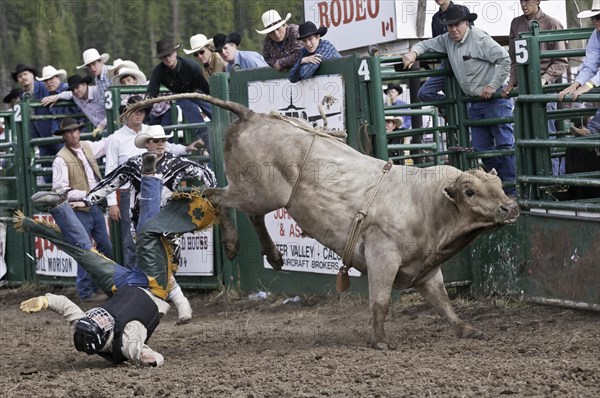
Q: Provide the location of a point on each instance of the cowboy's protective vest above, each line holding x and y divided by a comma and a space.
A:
128, 304
77, 177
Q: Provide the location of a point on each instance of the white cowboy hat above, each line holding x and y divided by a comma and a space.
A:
396, 119
149, 133
272, 20
118, 64
138, 74
197, 42
590, 13
50, 71
90, 55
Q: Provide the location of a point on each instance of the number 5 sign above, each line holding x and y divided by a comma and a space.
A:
521, 51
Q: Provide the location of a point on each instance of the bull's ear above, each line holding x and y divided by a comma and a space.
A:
451, 193
493, 172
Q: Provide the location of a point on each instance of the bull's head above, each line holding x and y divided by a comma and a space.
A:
479, 196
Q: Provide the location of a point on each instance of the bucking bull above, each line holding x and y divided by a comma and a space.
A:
416, 219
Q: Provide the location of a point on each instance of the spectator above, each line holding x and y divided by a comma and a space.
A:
589, 74
54, 81
97, 68
31, 88
88, 98
280, 48
551, 68
314, 51
227, 47
13, 97
480, 65
75, 168
430, 90
393, 92
203, 48
181, 75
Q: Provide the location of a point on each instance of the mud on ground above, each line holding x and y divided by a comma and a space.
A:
236, 347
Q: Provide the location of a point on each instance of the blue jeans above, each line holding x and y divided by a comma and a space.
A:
500, 136
189, 108
163, 120
94, 223
150, 192
126, 236
594, 124
558, 164
429, 91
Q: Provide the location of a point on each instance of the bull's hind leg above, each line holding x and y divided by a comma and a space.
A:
229, 234
267, 245
434, 292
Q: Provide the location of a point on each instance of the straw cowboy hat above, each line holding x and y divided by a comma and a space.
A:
22, 68
309, 29
396, 119
220, 40
150, 133
197, 42
76, 80
456, 14
50, 71
165, 47
272, 20
138, 74
67, 125
590, 13
90, 55
120, 63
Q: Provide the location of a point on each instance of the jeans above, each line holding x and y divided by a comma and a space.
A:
163, 120
594, 124
189, 108
126, 234
500, 136
94, 223
558, 164
150, 192
429, 91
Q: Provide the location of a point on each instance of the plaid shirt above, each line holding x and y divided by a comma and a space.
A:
286, 52
102, 81
302, 71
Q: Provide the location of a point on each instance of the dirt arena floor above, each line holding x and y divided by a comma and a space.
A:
235, 347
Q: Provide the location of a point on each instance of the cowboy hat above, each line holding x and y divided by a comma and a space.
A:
272, 20
22, 68
393, 86
396, 119
309, 29
138, 74
14, 93
90, 55
590, 13
197, 42
456, 14
220, 40
50, 71
118, 64
165, 47
132, 100
68, 124
76, 80
150, 133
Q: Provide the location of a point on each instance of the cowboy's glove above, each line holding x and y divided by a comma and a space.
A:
35, 304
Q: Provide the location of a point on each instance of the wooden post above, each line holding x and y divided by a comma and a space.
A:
421, 14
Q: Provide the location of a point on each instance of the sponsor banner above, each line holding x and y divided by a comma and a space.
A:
301, 99
197, 253
299, 253
3, 269
49, 259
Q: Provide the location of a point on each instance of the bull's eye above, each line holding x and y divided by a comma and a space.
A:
469, 193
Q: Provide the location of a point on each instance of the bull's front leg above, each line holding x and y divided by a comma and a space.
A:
267, 245
434, 292
229, 236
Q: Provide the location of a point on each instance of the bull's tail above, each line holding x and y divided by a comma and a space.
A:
240, 110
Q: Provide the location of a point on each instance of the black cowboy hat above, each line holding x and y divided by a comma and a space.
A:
76, 80
394, 86
14, 93
68, 124
132, 100
309, 29
219, 40
165, 47
456, 14
21, 68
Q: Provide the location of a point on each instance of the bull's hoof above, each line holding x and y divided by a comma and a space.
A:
383, 346
469, 332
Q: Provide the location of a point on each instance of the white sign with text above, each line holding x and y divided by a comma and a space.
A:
197, 253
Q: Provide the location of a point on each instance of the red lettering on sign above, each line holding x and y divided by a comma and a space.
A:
323, 15
335, 13
360, 11
373, 8
348, 13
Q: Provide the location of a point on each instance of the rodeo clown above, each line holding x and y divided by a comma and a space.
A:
119, 328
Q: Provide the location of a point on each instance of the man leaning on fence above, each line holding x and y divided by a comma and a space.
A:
480, 66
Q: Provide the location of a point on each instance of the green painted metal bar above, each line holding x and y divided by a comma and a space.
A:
559, 143
566, 205
584, 182
377, 109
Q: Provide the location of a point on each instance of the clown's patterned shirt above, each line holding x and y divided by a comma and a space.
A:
169, 168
